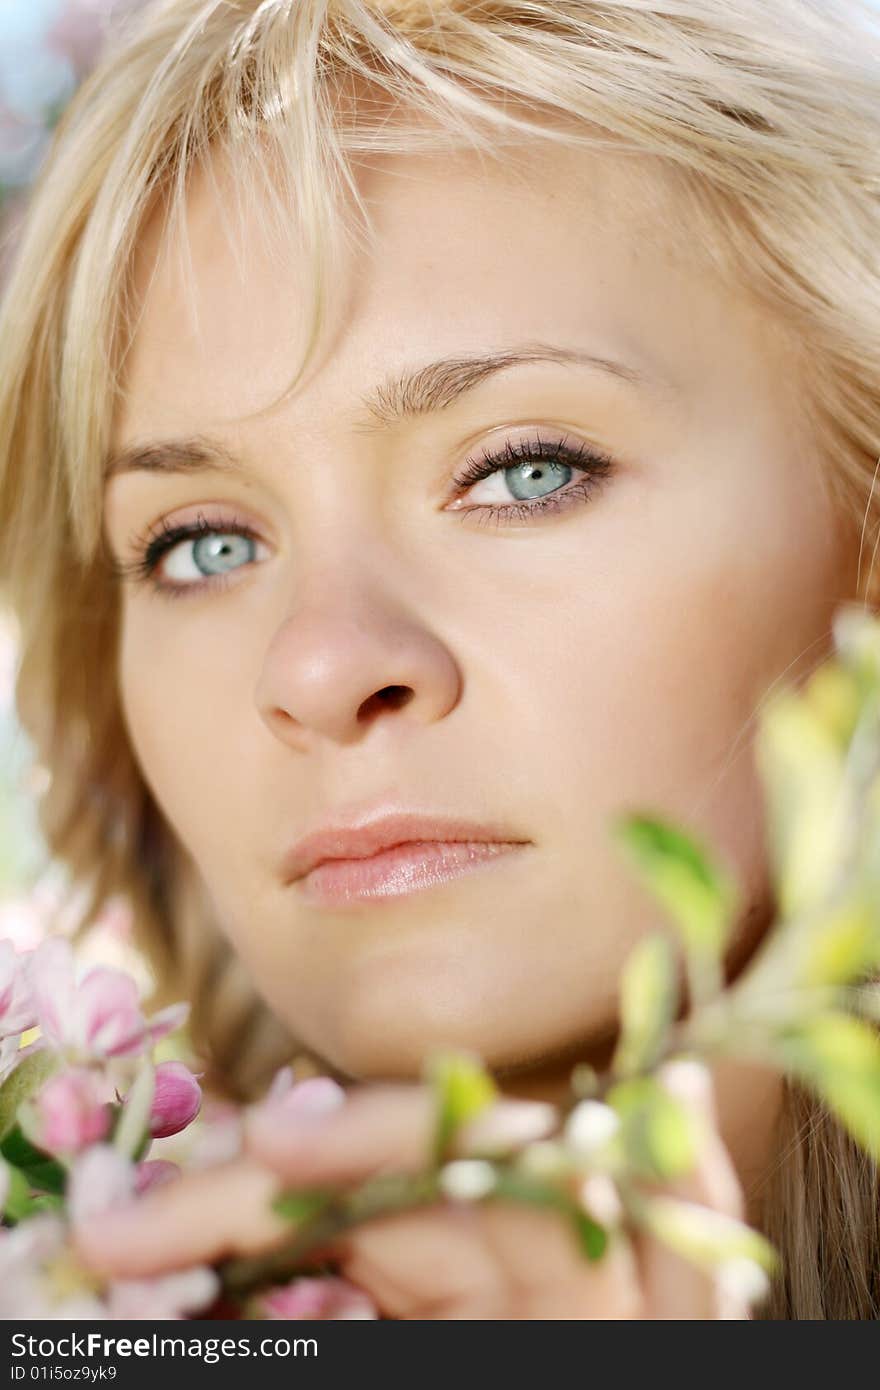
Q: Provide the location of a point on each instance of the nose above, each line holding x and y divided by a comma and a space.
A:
348, 657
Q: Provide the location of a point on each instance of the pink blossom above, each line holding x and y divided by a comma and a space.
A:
177, 1098
327, 1298
68, 1113
40, 1277
17, 1007
154, 1172
94, 1018
168, 1296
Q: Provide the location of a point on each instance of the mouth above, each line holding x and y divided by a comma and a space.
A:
358, 860
404, 868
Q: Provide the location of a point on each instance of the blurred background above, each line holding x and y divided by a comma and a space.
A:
46, 48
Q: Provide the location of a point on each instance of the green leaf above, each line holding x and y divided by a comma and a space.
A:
704, 1236
46, 1201
839, 1056
22, 1201
648, 1004
699, 895
462, 1088
658, 1134
591, 1237
299, 1207
517, 1185
32, 1071
18, 1198
41, 1169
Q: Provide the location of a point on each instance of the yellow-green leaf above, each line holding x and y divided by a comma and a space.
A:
832, 695
842, 945
30, 1074
699, 894
808, 802
648, 1004
462, 1088
133, 1122
857, 643
704, 1236
658, 1135
839, 1056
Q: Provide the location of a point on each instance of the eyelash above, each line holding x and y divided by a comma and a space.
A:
594, 466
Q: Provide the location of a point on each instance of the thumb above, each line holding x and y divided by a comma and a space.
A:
676, 1288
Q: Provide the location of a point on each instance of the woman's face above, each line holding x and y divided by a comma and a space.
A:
553, 666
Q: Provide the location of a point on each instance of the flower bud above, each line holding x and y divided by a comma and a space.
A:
329, 1297
177, 1099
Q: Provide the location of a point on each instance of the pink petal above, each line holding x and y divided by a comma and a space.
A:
50, 974
177, 1098
166, 1020
69, 1113
155, 1172
111, 1023
317, 1298
17, 1009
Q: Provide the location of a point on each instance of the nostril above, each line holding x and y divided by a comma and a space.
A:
393, 696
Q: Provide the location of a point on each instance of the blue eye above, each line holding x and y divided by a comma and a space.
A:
210, 552
536, 475
218, 549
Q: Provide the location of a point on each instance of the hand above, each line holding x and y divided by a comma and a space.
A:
490, 1260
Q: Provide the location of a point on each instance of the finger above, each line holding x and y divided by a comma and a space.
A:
675, 1288
376, 1128
197, 1219
496, 1260
309, 1138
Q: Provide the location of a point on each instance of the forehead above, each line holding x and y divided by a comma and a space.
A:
547, 242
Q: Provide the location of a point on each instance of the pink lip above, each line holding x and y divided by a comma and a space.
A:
392, 854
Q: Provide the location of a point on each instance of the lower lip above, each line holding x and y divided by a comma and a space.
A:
402, 869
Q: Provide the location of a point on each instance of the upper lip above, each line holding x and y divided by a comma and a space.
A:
359, 841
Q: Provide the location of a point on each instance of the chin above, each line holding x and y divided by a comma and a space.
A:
379, 1035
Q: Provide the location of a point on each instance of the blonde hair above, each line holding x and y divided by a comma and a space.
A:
768, 117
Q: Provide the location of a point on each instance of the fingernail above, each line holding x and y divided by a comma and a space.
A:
506, 1125
690, 1081
305, 1100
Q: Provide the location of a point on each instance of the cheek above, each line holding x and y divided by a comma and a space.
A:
179, 706
656, 680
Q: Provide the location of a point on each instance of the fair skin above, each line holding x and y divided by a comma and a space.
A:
562, 667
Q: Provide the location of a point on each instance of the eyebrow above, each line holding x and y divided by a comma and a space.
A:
404, 396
